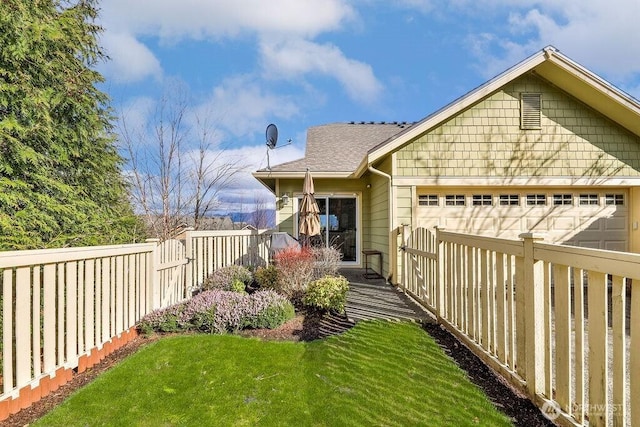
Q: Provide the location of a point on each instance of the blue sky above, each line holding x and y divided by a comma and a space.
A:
247, 63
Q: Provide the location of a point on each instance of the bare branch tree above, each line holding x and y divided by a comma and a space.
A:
177, 172
260, 215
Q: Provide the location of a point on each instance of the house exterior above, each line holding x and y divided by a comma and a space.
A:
546, 147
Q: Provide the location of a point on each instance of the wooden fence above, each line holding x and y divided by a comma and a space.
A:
64, 310
561, 323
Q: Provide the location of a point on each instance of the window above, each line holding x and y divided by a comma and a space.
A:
536, 199
614, 199
562, 199
588, 199
482, 200
428, 200
530, 111
454, 200
509, 200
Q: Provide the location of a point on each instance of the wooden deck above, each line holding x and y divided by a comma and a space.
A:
376, 299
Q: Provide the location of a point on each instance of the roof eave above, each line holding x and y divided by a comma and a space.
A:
458, 105
300, 174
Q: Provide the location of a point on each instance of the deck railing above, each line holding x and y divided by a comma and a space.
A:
561, 323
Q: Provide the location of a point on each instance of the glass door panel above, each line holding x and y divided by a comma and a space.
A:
342, 226
338, 218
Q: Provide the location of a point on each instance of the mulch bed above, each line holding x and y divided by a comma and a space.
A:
307, 327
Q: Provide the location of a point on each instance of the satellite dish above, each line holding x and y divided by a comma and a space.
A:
272, 136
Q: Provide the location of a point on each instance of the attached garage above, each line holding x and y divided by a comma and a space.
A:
581, 217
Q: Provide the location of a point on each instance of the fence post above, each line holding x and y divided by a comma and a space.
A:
440, 274
188, 248
532, 289
406, 232
153, 294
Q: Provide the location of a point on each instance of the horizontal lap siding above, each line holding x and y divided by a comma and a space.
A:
379, 238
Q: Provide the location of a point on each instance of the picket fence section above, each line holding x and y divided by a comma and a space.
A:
561, 323
64, 310
211, 250
59, 304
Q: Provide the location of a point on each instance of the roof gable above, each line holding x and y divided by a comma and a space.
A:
549, 64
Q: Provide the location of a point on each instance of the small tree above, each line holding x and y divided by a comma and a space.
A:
174, 184
260, 215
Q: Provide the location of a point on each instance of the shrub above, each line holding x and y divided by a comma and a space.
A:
169, 319
269, 309
326, 261
223, 278
328, 293
217, 311
238, 286
267, 277
295, 272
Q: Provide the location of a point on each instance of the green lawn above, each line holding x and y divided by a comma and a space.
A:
378, 373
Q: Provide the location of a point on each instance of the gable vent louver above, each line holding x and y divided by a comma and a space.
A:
530, 111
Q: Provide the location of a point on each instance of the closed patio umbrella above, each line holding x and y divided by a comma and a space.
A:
309, 211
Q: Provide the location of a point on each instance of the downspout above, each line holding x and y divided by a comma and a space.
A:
392, 265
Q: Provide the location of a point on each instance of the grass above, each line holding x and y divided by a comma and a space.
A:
378, 373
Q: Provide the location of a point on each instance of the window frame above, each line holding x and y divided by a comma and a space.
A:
536, 199
455, 200
428, 200
482, 200
561, 199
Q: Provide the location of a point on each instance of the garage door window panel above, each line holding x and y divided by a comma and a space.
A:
614, 199
589, 200
509, 200
562, 199
482, 200
536, 199
454, 200
428, 200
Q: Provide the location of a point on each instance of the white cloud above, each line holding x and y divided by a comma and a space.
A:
244, 190
171, 22
199, 19
294, 58
242, 106
130, 60
595, 33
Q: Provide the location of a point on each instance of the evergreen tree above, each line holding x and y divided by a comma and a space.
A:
60, 178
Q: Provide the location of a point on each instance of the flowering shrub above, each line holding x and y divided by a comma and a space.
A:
225, 277
218, 311
169, 319
328, 293
295, 268
268, 309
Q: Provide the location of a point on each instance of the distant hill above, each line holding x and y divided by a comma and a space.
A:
269, 216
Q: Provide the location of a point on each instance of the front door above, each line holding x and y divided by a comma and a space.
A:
338, 225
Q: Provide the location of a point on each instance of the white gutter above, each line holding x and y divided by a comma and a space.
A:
392, 268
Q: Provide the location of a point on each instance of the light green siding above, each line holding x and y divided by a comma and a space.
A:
486, 140
379, 213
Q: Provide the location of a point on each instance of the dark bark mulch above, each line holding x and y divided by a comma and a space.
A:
507, 399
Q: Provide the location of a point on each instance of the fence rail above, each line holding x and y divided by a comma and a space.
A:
561, 323
63, 310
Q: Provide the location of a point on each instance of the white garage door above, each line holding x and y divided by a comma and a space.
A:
595, 219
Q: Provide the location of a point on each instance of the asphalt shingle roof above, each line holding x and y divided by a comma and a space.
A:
340, 147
